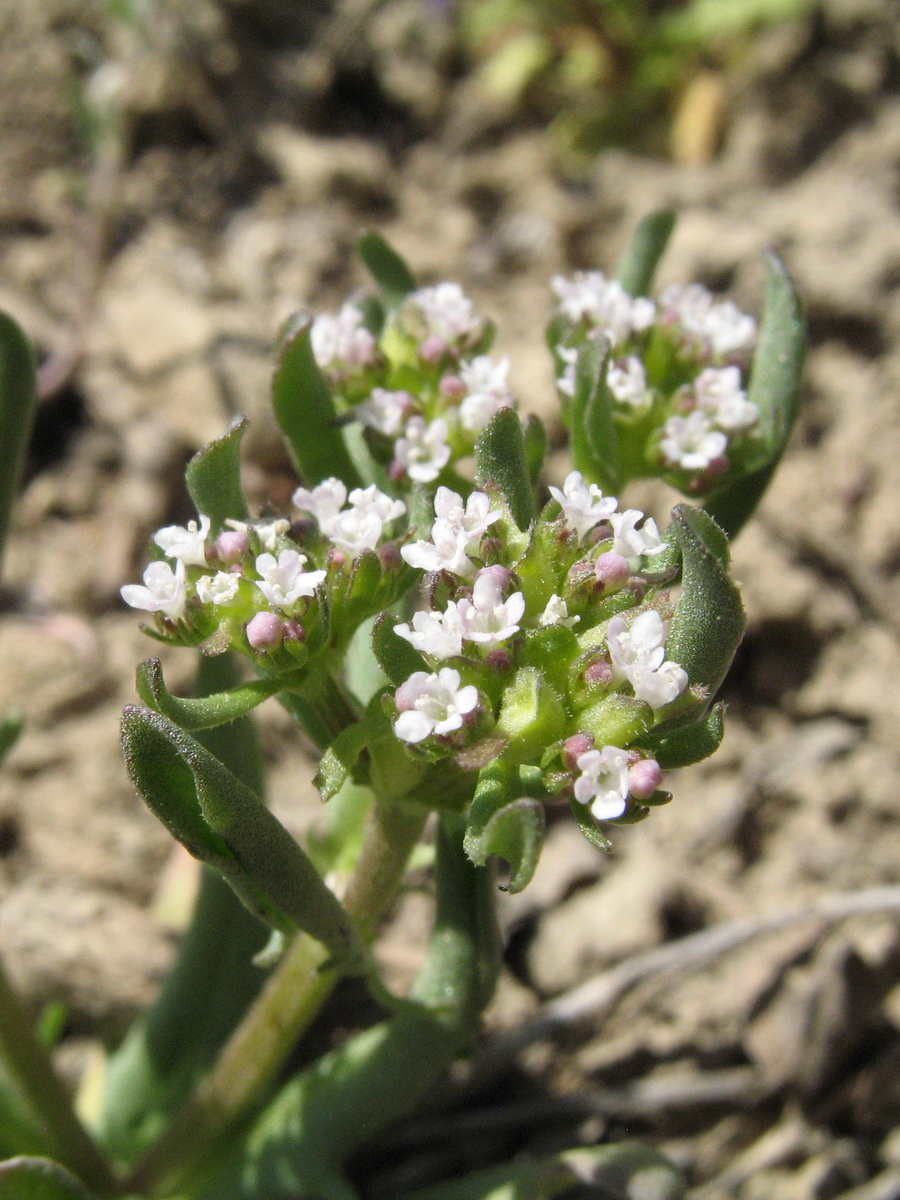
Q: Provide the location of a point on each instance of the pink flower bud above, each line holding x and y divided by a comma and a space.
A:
231, 546
294, 631
612, 571
499, 660
500, 573
452, 387
396, 471
717, 466
598, 673
390, 557
644, 778
576, 745
432, 349
265, 631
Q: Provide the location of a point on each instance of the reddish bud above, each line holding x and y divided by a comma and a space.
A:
612, 571
574, 747
598, 673
644, 778
432, 349
265, 631
231, 546
452, 387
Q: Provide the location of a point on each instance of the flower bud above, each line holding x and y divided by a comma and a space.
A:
231, 546
265, 631
499, 660
294, 631
578, 743
390, 557
598, 673
432, 349
644, 777
452, 387
492, 550
502, 574
612, 571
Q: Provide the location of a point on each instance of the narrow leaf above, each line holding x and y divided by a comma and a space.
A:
201, 712
535, 436
689, 744
500, 459
388, 269
709, 618
396, 657
647, 246
515, 833
305, 409
589, 827
26, 1178
18, 397
11, 725
595, 441
338, 761
213, 477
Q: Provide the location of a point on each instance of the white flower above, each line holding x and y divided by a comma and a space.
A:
423, 451
164, 590
185, 544
627, 381
472, 520
268, 532
370, 501
220, 588
583, 506
437, 634
487, 618
720, 327
284, 582
557, 613
631, 542
719, 393
691, 442
443, 311
385, 411
325, 500
342, 340
487, 391
638, 653
603, 782
455, 535
603, 302
432, 704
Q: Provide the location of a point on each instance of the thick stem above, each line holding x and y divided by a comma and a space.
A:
29, 1065
284, 1009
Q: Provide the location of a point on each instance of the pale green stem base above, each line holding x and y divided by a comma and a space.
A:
281, 1013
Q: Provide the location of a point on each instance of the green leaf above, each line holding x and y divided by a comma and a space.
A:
514, 832
201, 712
338, 761
224, 823
589, 827
11, 726
688, 744
647, 246
397, 658
595, 440
38, 1179
709, 617
305, 410
213, 477
388, 269
535, 436
775, 389
18, 399
500, 459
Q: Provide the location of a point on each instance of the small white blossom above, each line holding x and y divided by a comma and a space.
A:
220, 588
342, 341
719, 326
185, 544
631, 542
385, 411
487, 618
324, 501
691, 442
437, 634
638, 653
423, 451
283, 581
604, 303
487, 391
443, 311
360, 527
372, 502
164, 590
557, 613
432, 704
583, 506
719, 393
455, 535
603, 782
627, 381
268, 532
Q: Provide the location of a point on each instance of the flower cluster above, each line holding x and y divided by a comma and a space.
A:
674, 374
535, 644
422, 384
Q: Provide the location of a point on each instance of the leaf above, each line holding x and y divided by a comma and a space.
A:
26, 1178
396, 656
338, 761
388, 269
688, 744
305, 410
213, 477
500, 459
224, 823
589, 827
647, 246
534, 434
595, 441
201, 712
18, 399
709, 617
11, 725
514, 832
774, 389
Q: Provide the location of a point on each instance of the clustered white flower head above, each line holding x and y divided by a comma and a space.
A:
433, 704
604, 304
638, 655
716, 326
356, 528
342, 344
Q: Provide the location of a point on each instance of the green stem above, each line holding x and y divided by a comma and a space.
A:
284, 1009
29, 1066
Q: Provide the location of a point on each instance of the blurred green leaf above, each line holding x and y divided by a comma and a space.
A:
500, 459
388, 269
647, 246
304, 409
213, 477
11, 725
595, 440
38, 1179
534, 433
18, 399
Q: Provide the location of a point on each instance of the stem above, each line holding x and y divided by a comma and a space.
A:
29, 1065
282, 1012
